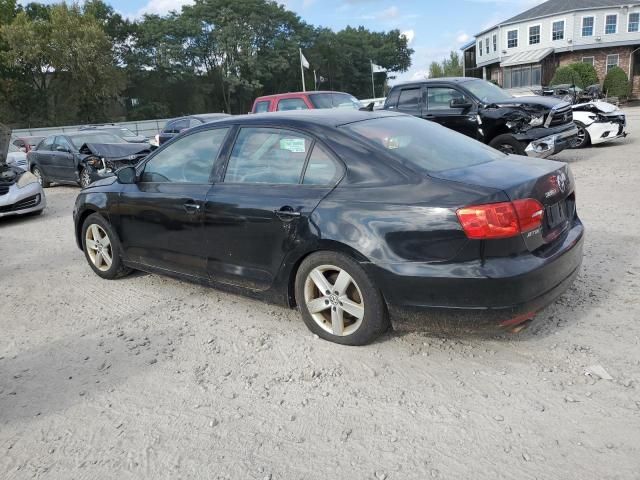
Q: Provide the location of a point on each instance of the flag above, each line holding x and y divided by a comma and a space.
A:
377, 68
303, 61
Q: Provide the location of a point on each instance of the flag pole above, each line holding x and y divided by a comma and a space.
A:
304, 88
373, 85
315, 81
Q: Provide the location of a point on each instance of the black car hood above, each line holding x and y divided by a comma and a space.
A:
115, 150
532, 101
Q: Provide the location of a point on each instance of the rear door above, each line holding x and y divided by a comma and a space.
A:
43, 155
159, 219
274, 179
441, 108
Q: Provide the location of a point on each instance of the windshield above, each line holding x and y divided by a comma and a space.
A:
487, 92
334, 100
425, 145
102, 137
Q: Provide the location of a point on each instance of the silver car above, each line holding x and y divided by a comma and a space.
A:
20, 192
17, 157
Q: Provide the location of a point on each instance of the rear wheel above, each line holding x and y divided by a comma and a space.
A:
507, 144
40, 176
338, 300
583, 139
102, 248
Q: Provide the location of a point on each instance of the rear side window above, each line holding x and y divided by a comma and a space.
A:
410, 98
321, 168
267, 155
291, 104
262, 107
392, 98
426, 146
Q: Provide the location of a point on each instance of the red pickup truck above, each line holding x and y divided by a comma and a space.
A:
304, 101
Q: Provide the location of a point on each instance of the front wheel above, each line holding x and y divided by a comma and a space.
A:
583, 139
85, 177
338, 300
507, 144
40, 176
101, 248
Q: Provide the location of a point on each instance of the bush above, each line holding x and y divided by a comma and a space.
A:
579, 74
616, 83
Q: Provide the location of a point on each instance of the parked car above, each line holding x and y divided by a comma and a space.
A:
534, 126
122, 132
17, 157
26, 144
178, 125
572, 93
349, 215
598, 122
305, 101
82, 157
20, 192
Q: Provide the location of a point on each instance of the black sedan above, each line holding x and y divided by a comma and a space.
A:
358, 218
82, 157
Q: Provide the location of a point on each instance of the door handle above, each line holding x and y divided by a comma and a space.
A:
191, 207
287, 213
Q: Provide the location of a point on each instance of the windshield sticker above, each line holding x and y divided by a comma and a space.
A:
295, 145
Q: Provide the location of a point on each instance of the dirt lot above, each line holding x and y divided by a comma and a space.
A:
148, 377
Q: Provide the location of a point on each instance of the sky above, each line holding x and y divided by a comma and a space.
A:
434, 27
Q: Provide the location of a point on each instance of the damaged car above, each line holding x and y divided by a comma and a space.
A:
598, 122
533, 126
83, 157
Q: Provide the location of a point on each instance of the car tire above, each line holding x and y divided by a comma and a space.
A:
507, 144
40, 176
85, 177
102, 248
583, 139
353, 312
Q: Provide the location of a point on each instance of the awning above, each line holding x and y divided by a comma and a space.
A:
522, 58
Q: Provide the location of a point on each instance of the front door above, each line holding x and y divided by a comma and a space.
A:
159, 218
273, 181
63, 161
441, 109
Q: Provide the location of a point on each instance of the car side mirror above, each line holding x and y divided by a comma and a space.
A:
127, 175
460, 103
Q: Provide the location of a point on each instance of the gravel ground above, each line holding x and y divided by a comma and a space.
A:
148, 377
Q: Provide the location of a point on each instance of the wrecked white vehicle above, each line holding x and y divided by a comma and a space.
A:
598, 122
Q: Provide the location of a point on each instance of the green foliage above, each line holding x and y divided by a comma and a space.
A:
616, 83
449, 67
579, 74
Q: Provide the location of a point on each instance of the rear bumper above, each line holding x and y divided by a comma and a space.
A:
552, 144
494, 292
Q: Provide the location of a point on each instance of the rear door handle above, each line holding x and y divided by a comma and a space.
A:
191, 207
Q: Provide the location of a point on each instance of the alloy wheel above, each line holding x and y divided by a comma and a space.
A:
85, 179
99, 247
582, 135
334, 300
38, 175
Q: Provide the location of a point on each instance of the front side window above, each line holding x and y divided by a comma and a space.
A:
534, 35
62, 143
187, 160
611, 24
262, 107
612, 61
634, 22
589, 60
267, 155
512, 38
291, 104
480, 47
587, 26
410, 98
440, 98
557, 30
321, 169
495, 43
47, 144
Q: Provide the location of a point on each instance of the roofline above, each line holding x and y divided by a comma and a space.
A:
564, 12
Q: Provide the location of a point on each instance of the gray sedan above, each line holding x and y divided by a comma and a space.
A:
20, 192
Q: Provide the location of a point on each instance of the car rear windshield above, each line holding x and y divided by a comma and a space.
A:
334, 100
422, 144
80, 140
487, 92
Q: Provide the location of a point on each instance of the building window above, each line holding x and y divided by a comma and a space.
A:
612, 61
611, 24
557, 30
587, 26
480, 47
495, 43
486, 41
512, 38
523, 76
589, 60
534, 35
634, 22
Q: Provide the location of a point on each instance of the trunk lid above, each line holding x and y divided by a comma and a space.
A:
550, 183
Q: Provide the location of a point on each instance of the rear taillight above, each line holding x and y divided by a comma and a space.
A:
501, 220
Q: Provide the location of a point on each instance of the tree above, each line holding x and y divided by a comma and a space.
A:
436, 70
616, 83
579, 74
449, 67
